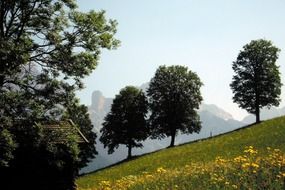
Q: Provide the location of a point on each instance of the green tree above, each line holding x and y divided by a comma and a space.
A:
126, 124
46, 48
79, 115
174, 97
256, 82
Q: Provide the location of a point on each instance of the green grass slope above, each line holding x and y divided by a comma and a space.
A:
269, 133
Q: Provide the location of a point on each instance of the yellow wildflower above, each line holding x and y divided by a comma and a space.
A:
234, 186
161, 170
254, 165
245, 165
250, 150
276, 150
105, 183
240, 159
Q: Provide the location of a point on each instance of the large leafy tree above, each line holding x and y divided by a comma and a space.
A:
126, 124
174, 97
46, 48
256, 82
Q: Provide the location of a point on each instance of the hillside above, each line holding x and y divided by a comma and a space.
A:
214, 121
270, 133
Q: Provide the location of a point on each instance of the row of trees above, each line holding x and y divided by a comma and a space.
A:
173, 98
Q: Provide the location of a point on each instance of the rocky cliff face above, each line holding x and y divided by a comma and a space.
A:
99, 108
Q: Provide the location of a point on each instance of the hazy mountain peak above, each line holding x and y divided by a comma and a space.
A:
215, 110
98, 100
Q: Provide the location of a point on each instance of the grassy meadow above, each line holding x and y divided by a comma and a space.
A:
252, 157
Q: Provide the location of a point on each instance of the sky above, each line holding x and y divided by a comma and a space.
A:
204, 35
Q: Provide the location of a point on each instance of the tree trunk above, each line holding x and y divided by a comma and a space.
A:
1, 81
257, 114
257, 109
129, 151
173, 134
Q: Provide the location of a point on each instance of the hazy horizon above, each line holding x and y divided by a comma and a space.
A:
205, 36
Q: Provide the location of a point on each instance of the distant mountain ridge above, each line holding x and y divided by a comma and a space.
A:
214, 121
212, 108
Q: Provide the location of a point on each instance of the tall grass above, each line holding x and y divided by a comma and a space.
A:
270, 133
246, 171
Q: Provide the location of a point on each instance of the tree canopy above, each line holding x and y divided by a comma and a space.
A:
46, 48
126, 124
174, 97
256, 82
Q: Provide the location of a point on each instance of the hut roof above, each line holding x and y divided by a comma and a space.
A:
65, 129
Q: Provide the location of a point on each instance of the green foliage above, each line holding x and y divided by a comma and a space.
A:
257, 82
79, 115
7, 146
54, 36
61, 146
126, 123
46, 48
174, 95
265, 134
45, 41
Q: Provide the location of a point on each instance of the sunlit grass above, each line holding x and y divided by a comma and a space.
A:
204, 154
246, 171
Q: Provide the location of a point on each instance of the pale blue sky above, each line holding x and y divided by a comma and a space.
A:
204, 35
